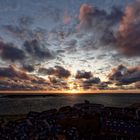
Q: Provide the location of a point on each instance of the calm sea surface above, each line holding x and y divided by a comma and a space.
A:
21, 105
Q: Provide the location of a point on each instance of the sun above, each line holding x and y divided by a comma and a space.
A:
74, 88
74, 91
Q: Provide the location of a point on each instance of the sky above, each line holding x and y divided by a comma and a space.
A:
69, 44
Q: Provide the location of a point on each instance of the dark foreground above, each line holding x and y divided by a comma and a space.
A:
84, 121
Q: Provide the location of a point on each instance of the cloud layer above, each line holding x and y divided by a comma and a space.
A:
10, 52
57, 71
71, 47
129, 31
123, 75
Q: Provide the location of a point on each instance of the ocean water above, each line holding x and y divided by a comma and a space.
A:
23, 104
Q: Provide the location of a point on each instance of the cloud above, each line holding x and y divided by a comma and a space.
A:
28, 68
108, 37
117, 73
12, 71
125, 38
45, 71
86, 16
57, 71
129, 31
60, 51
24, 31
13, 78
123, 75
62, 72
32, 51
87, 84
17, 31
115, 15
100, 23
137, 85
83, 75
39, 34
10, 52
93, 80
71, 43
91, 17
58, 83
37, 50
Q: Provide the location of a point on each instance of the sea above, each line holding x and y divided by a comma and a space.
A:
12, 105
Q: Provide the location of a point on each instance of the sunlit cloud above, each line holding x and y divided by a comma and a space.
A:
70, 46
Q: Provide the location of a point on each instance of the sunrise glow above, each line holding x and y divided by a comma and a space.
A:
80, 47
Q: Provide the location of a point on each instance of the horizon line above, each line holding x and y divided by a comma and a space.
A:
70, 92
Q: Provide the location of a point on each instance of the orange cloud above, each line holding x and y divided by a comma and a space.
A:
129, 31
86, 16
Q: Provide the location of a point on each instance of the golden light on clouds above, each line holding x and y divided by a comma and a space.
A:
74, 87
85, 41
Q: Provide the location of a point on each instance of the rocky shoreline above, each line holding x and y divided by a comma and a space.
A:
85, 121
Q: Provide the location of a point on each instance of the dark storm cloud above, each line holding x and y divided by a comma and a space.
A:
37, 49
7, 72
28, 68
57, 71
129, 31
62, 72
123, 75
101, 22
45, 71
115, 15
13, 78
126, 38
32, 52
111, 20
117, 73
93, 81
60, 51
33, 41
83, 75
58, 83
13, 72
91, 16
10, 52
108, 37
